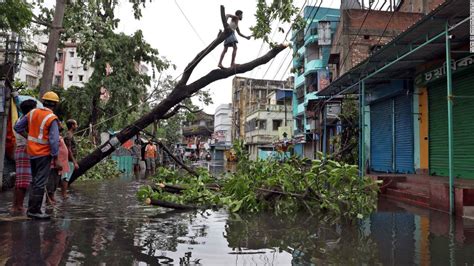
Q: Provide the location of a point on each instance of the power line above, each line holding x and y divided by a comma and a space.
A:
357, 35
189, 22
305, 32
286, 36
378, 42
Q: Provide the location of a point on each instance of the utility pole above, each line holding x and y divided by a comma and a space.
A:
7, 71
51, 49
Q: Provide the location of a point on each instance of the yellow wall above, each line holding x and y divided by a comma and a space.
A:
423, 120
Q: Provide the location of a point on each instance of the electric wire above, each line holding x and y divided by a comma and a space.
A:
286, 36
357, 35
305, 32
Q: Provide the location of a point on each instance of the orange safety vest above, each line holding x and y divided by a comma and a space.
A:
39, 121
150, 151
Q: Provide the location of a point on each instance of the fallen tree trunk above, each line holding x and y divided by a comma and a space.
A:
178, 161
170, 205
181, 91
177, 189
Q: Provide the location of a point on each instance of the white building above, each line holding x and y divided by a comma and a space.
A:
265, 121
223, 124
31, 66
70, 71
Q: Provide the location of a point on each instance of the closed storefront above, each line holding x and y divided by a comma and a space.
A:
404, 136
463, 126
381, 140
391, 135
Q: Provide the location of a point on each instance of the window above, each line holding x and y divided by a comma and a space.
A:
81, 77
85, 67
57, 80
277, 124
262, 124
69, 77
60, 57
71, 53
31, 81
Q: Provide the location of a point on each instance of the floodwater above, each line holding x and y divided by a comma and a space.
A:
103, 223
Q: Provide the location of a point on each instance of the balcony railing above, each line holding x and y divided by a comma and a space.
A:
260, 136
313, 66
269, 108
299, 80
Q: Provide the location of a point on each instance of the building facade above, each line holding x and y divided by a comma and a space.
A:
312, 47
69, 69
247, 93
223, 124
417, 112
31, 67
265, 122
197, 132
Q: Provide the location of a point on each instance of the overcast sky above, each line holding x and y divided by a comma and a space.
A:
166, 28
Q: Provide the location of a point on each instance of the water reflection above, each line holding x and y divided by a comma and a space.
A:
103, 223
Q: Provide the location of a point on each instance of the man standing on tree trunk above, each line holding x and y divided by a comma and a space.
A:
231, 41
40, 127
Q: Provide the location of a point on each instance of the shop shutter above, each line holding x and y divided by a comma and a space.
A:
381, 144
404, 135
463, 115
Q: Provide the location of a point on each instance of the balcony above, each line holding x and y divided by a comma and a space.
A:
300, 108
301, 51
310, 96
313, 66
299, 80
298, 61
310, 39
260, 136
269, 108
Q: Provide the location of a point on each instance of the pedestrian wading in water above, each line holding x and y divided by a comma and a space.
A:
231, 41
23, 167
41, 128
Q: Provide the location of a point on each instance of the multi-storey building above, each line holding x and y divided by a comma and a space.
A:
265, 122
31, 66
223, 124
312, 47
69, 70
250, 98
246, 93
198, 131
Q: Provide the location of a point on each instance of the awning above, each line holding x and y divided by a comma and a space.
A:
430, 26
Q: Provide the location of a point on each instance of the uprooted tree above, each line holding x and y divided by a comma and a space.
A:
171, 104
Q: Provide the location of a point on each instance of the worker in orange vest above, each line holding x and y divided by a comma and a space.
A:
40, 127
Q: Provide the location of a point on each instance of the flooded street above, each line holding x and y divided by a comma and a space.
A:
102, 222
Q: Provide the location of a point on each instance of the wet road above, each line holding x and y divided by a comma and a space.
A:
102, 222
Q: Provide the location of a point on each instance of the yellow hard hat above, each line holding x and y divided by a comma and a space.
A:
51, 96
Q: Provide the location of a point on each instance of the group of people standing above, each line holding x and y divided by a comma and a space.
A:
44, 159
150, 155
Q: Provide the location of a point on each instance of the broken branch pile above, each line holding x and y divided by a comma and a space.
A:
282, 187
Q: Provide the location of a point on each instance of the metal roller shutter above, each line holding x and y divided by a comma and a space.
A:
463, 115
404, 135
381, 143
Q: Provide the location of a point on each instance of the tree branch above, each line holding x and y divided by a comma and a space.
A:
177, 108
220, 38
37, 20
179, 93
217, 74
185, 167
30, 51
